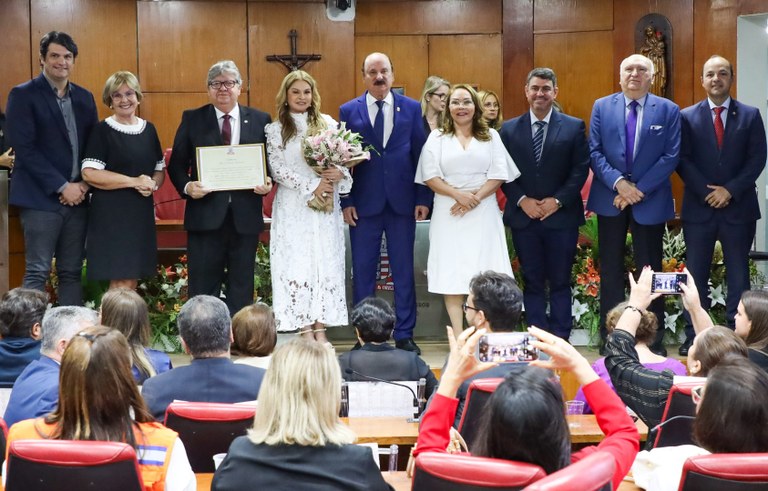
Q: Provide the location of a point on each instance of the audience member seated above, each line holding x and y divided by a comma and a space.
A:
494, 303
731, 417
21, 312
36, 391
645, 335
524, 419
99, 400
752, 325
255, 335
374, 321
645, 391
297, 440
123, 309
206, 334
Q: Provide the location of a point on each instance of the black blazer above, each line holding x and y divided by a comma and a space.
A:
297, 467
199, 128
560, 174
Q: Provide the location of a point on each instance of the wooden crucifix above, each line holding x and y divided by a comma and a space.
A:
293, 61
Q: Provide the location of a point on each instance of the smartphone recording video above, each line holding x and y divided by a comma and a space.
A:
507, 347
668, 283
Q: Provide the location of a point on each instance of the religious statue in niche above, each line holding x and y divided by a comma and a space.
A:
653, 35
656, 49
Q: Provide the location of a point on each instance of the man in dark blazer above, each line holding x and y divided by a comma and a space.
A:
206, 334
384, 197
631, 189
722, 154
222, 226
49, 120
544, 207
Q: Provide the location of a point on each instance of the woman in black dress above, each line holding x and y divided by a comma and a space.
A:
124, 165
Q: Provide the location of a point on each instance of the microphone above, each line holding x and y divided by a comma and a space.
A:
416, 401
673, 418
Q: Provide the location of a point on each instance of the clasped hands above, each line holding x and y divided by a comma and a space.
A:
628, 194
719, 197
73, 193
145, 185
328, 178
539, 209
466, 201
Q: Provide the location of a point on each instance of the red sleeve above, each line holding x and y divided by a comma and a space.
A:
621, 437
435, 430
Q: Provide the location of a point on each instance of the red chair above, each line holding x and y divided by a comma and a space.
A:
3, 439
592, 473
727, 472
42, 465
459, 472
479, 392
208, 428
678, 431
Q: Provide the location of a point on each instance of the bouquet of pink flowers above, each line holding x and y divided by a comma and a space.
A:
333, 147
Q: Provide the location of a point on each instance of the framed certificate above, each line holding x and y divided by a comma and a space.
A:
231, 167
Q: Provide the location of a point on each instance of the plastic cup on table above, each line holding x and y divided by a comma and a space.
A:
573, 408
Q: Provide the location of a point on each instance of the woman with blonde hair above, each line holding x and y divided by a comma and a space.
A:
433, 99
491, 108
98, 400
306, 246
464, 164
123, 309
297, 440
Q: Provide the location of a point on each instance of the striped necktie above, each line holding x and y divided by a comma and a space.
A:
538, 140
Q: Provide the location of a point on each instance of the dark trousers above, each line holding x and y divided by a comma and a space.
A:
223, 257
647, 249
546, 258
59, 234
365, 240
736, 240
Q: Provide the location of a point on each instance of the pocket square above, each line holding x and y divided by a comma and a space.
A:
656, 127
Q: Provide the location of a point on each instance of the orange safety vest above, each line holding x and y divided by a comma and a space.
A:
154, 443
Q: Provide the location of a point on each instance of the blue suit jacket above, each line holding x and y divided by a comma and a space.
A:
388, 176
38, 134
560, 174
736, 167
656, 157
203, 380
35, 393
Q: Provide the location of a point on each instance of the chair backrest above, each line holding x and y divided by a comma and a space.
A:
460, 472
208, 428
168, 204
593, 473
3, 439
679, 403
480, 390
726, 472
38, 465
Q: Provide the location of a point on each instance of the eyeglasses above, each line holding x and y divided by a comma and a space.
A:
464, 307
696, 394
464, 103
216, 85
439, 96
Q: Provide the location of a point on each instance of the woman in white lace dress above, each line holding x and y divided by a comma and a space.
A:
306, 246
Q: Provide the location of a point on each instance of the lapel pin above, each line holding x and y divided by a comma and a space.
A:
245, 121
398, 109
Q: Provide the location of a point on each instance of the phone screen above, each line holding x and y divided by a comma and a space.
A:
507, 347
668, 283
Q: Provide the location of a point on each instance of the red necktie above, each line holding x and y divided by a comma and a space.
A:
719, 128
226, 130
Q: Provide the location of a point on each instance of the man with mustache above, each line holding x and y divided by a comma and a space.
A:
634, 142
722, 154
384, 197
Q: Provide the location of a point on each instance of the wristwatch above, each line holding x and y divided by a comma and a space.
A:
559, 204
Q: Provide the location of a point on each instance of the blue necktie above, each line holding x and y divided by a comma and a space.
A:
631, 130
378, 123
538, 139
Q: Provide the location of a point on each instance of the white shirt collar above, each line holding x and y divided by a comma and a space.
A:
726, 104
234, 113
388, 100
545, 119
640, 101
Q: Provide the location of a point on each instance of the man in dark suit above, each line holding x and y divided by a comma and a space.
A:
722, 154
206, 334
49, 120
544, 207
222, 226
634, 140
384, 197
36, 391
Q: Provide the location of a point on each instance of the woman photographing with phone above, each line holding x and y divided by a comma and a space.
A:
524, 419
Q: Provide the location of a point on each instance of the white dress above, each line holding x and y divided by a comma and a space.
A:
306, 247
462, 246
